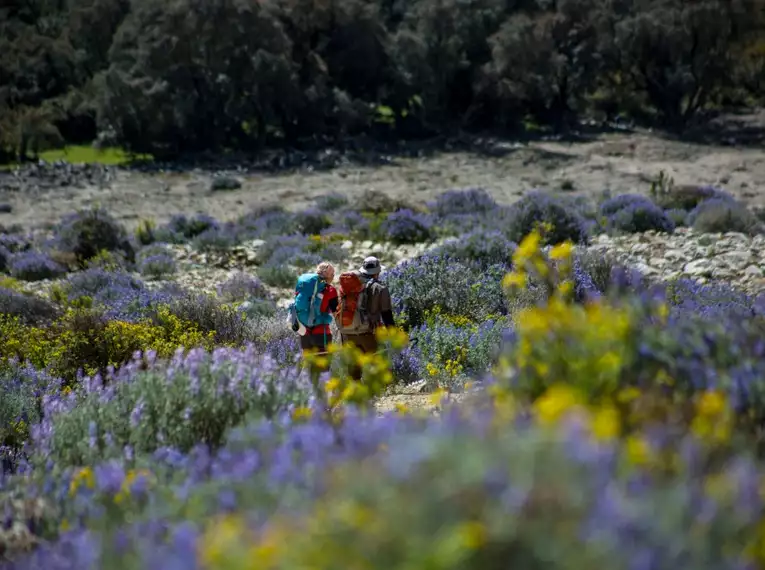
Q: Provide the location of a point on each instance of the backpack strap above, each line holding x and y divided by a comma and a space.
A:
311, 315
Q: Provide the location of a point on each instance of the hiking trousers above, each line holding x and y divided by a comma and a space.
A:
317, 342
366, 343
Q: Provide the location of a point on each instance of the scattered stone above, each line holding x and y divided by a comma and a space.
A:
6, 208
44, 176
224, 183
732, 257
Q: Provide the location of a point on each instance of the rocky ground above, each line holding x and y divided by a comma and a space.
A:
730, 257
619, 161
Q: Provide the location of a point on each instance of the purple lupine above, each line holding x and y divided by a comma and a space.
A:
407, 226
34, 266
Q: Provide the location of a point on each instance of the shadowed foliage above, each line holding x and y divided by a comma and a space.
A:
180, 77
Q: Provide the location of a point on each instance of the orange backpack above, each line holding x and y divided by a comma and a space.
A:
351, 316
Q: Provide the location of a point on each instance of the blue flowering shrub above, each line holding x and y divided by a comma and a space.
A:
634, 213
241, 287
156, 261
452, 349
191, 399
407, 226
478, 246
35, 266
469, 201
436, 282
540, 208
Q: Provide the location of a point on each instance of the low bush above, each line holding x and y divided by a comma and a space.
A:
452, 349
406, 226
224, 323
332, 202
539, 208
678, 216
217, 238
22, 388
469, 201
312, 221
84, 340
263, 223
241, 287
687, 197
119, 294
277, 275
156, 261
482, 247
86, 233
435, 282
633, 213
35, 266
719, 216
29, 308
181, 228
192, 399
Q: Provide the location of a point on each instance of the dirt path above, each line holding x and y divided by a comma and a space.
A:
620, 162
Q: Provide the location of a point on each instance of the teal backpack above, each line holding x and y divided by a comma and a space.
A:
305, 308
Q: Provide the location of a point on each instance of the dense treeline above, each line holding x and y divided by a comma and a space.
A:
180, 76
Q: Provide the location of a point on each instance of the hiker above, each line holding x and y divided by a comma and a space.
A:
364, 305
315, 303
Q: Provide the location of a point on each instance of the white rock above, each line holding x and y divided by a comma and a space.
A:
753, 271
698, 268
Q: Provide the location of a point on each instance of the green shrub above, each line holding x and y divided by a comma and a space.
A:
84, 340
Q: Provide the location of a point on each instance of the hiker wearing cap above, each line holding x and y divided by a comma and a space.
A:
365, 304
310, 314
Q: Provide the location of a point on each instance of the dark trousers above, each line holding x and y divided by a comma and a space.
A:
316, 342
366, 343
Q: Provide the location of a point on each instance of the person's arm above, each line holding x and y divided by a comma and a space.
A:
386, 308
329, 301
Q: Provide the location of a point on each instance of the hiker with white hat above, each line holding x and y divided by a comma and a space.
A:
364, 305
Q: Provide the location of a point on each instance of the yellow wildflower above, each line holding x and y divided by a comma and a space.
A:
472, 535
562, 251
566, 288
301, 412
528, 247
221, 538
83, 476
514, 279
628, 394
606, 423
711, 404
437, 396
555, 402
638, 450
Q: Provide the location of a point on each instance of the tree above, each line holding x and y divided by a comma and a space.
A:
546, 62
191, 75
679, 53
